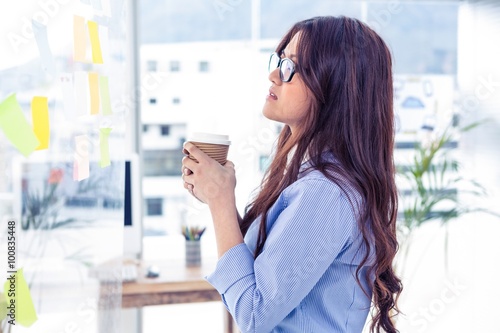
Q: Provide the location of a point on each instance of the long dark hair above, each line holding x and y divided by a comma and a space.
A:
347, 68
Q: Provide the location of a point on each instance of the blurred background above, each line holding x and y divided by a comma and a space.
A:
212, 57
201, 65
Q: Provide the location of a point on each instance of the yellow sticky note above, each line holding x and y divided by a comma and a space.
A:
105, 99
94, 93
79, 39
95, 42
104, 144
40, 116
20, 306
81, 167
16, 127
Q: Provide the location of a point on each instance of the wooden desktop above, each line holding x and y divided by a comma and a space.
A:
175, 284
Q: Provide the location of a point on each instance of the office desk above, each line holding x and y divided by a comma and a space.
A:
176, 284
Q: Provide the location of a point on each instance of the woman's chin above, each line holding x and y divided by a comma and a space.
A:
268, 114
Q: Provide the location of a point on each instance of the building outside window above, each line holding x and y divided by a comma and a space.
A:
154, 206
165, 130
175, 66
425, 39
152, 65
157, 163
264, 162
204, 66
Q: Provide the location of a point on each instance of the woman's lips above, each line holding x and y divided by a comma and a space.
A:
272, 95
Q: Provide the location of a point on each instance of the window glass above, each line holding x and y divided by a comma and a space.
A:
200, 21
223, 78
422, 37
219, 52
64, 93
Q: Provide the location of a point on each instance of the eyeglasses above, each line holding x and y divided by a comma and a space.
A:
287, 67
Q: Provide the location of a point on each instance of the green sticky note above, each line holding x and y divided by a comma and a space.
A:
104, 145
16, 127
20, 306
3, 307
104, 91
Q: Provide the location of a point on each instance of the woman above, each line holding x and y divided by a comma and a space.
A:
314, 249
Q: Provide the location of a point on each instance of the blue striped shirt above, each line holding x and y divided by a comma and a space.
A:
304, 279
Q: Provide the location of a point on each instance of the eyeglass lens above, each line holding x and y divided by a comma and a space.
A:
286, 67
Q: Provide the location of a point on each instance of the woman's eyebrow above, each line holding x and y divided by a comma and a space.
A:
290, 56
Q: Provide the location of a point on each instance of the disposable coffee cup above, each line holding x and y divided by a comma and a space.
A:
214, 145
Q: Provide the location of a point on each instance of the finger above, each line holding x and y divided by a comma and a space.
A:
189, 187
188, 177
191, 191
195, 151
229, 164
189, 164
186, 171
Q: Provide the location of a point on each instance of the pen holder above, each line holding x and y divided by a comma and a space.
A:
193, 253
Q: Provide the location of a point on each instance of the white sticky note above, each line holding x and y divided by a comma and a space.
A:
48, 63
96, 4
65, 81
81, 86
104, 38
106, 8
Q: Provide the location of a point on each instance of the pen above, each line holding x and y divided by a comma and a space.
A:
193, 233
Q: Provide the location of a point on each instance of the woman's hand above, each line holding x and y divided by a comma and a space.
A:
206, 179
214, 184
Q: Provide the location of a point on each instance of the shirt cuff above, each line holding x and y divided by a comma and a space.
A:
233, 266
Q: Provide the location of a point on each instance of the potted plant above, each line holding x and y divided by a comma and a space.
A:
434, 187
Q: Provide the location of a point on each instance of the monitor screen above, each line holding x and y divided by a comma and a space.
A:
49, 198
127, 215
132, 237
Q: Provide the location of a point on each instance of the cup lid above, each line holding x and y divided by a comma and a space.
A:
217, 139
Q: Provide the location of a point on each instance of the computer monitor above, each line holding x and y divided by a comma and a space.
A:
132, 237
108, 195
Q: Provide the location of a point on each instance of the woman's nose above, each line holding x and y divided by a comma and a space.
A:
274, 76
